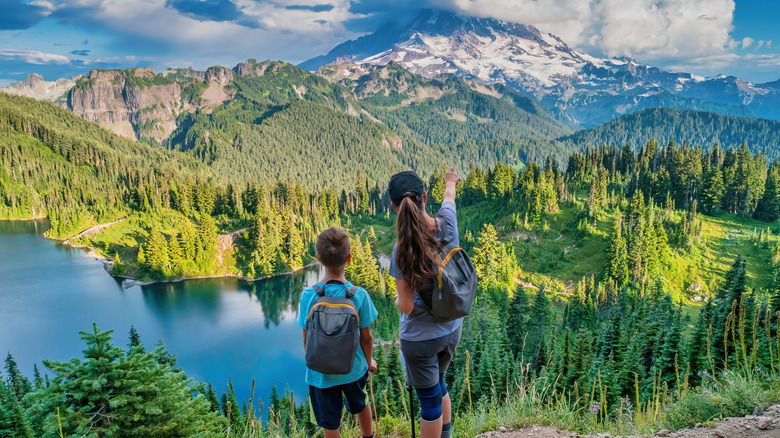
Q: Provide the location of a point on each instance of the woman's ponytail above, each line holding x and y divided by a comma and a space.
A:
417, 251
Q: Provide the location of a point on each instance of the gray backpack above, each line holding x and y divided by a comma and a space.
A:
333, 333
455, 286
450, 295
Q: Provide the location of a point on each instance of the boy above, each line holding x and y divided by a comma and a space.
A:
325, 390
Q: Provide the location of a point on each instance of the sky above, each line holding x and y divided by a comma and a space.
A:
63, 38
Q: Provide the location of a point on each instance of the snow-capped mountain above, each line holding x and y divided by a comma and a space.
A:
573, 85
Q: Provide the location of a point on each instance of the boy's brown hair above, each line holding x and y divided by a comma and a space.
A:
333, 247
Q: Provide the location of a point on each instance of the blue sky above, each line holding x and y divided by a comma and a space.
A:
62, 38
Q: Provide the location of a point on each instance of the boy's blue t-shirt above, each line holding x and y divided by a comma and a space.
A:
367, 314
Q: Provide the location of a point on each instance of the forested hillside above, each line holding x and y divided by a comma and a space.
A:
287, 123
697, 128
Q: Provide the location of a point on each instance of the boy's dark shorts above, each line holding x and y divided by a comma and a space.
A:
326, 403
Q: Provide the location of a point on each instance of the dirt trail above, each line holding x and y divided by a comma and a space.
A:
225, 244
765, 425
92, 230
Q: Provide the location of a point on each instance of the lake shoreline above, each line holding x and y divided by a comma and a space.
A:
131, 282
128, 282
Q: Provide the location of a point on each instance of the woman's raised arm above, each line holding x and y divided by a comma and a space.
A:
451, 179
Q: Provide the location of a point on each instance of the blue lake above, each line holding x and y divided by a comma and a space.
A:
217, 328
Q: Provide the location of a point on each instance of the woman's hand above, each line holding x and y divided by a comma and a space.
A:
451, 179
451, 176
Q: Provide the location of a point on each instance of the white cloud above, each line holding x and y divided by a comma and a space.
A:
646, 29
280, 33
34, 57
747, 42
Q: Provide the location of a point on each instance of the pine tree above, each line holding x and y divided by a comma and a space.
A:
188, 241
395, 374
491, 259
516, 327
540, 309
768, 208
18, 384
235, 410
669, 357
135, 338
697, 344
157, 251
728, 296
175, 252
112, 391
37, 379
211, 395
141, 257
13, 422
618, 261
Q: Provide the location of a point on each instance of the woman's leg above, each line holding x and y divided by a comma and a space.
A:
446, 409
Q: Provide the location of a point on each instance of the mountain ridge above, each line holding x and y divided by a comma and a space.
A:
541, 65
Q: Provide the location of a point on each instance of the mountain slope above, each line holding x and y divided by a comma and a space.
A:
54, 161
270, 120
569, 83
698, 128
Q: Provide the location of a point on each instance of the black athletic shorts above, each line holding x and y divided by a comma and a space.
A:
427, 360
326, 403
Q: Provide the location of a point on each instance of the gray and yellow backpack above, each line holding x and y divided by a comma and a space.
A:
333, 332
450, 295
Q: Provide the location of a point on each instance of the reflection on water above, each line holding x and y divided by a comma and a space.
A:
218, 328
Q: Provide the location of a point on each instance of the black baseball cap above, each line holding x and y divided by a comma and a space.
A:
404, 182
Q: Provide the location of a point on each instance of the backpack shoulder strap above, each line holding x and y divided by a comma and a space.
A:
351, 292
441, 225
319, 290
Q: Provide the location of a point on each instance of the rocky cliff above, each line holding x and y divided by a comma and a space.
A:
143, 105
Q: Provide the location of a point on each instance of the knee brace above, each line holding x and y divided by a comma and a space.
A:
442, 385
430, 403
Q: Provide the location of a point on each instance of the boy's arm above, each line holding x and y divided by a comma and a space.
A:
367, 344
304, 340
451, 179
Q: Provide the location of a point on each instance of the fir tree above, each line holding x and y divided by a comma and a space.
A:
135, 338
618, 261
768, 208
18, 384
110, 392
13, 422
516, 328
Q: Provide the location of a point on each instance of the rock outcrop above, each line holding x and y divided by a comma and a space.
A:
143, 105
134, 103
38, 88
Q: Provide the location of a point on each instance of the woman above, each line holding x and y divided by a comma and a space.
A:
427, 344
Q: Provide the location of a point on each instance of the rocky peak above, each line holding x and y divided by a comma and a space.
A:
35, 86
251, 68
220, 75
32, 80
